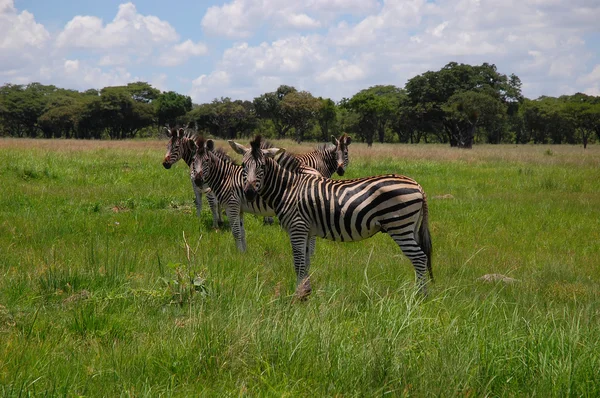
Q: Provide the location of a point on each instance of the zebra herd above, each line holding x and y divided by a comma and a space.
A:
299, 191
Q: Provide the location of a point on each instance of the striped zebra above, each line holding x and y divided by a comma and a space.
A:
326, 159
339, 210
214, 168
182, 146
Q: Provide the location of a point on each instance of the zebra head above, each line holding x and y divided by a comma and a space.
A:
253, 165
199, 164
174, 147
341, 150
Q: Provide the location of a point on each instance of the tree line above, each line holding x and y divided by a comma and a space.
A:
460, 105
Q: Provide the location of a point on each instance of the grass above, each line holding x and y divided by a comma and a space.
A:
110, 285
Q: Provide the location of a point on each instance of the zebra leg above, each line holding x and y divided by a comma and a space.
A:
299, 240
237, 226
312, 244
198, 193
242, 231
415, 254
214, 208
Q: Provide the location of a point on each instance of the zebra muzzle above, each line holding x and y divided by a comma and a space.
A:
250, 193
340, 170
166, 165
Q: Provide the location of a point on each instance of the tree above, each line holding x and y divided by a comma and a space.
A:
299, 109
22, 106
268, 106
170, 106
122, 116
585, 117
225, 118
430, 91
326, 117
468, 110
143, 92
375, 107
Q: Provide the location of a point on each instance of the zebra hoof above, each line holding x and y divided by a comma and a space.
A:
303, 290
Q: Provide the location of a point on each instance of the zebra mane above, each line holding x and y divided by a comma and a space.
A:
265, 144
189, 133
221, 154
201, 147
290, 161
327, 147
256, 145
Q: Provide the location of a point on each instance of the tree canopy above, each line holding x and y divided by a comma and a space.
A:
459, 104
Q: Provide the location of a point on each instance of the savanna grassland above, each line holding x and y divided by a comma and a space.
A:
110, 285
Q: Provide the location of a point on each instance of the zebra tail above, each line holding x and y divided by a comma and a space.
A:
425, 237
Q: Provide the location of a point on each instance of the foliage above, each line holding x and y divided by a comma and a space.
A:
268, 106
431, 92
300, 110
170, 106
459, 104
225, 118
375, 107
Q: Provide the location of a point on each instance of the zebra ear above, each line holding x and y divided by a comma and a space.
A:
210, 145
272, 152
181, 132
237, 147
347, 139
334, 140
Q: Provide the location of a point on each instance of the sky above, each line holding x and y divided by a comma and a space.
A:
332, 48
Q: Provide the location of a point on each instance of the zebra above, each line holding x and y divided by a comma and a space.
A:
214, 168
326, 159
181, 145
339, 210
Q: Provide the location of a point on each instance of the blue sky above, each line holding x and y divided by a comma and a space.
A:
332, 48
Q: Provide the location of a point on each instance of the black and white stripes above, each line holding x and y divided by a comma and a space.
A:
327, 159
339, 210
216, 170
181, 145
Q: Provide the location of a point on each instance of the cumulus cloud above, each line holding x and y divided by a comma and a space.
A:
331, 48
241, 18
181, 52
22, 39
128, 29
128, 37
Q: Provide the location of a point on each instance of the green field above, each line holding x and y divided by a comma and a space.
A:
110, 285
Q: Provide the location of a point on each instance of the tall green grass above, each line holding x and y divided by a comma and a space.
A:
110, 285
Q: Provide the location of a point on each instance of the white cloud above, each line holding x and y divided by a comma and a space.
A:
301, 21
205, 84
130, 36
590, 82
342, 71
313, 45
241, 18
128, 29
22, 39
159, 81
180, 53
